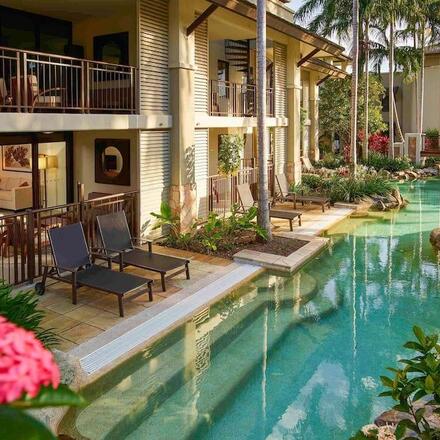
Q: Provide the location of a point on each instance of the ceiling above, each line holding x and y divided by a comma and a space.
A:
71, 10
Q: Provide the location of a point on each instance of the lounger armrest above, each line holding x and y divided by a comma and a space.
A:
139, 241
62, 269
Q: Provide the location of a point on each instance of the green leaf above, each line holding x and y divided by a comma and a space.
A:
386, 381
429, 384
17, 425
420, 335
414, 346
400, 430
49, 397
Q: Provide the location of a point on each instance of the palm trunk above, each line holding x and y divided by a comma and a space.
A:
391, 88
354, 86
417, 85
399, 128
367, 90
263, 184
421, 98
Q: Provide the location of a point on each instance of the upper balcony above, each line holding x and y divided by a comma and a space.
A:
232, 99
42, 82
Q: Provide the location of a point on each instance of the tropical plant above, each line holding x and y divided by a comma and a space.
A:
245, 221
21, 308
415, 386
335, 108
263, 148
229, 153
378, 143
330, 161
346, 188
30, 380
211, 232
379, 161
166, 219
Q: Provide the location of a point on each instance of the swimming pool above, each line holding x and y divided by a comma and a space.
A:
285, 357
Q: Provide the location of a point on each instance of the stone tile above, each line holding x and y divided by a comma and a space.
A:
81, 333
65, 345
63, 306
48, 316
87, 312
61, 323
104, 320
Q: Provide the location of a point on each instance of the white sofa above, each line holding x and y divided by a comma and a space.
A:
13, 195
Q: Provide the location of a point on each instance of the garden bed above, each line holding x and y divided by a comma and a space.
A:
246, 240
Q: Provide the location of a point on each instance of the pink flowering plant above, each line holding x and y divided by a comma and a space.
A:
29, 378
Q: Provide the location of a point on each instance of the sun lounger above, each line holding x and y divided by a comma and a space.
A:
247, 201
73, 264
119, 246
286, 195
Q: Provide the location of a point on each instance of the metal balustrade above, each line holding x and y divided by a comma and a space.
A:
41, 82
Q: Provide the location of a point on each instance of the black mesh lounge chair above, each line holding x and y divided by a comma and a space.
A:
73, 264
119, 246
286, 195
247, 201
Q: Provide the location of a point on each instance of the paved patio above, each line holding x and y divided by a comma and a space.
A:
97, 312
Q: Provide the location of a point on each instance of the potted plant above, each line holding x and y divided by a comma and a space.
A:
432, 139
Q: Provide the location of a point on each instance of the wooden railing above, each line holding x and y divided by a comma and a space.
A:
40, 82
24, 241
232, 99
223, 189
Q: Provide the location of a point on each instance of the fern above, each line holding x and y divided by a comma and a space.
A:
21, 309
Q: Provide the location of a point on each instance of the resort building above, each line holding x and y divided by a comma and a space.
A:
406, 97
131, 99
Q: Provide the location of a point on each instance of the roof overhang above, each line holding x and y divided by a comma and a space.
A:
249, 10
325, 68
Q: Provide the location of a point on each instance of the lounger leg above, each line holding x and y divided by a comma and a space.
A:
121, 306
187, 271
299, 221
74, 291
162, 279
291, 224
43, 280
150, 292
323, 207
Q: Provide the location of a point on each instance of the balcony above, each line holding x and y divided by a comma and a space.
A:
40, 82
231, 99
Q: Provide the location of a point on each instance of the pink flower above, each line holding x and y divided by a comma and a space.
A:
25, 365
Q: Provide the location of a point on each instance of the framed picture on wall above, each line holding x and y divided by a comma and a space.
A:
112, 161
17, 158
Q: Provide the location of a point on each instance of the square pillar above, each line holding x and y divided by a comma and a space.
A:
181, 64
314, 116
293, 111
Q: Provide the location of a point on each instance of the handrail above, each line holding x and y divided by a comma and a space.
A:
65, 57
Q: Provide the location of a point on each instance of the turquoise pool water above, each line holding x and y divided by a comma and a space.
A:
285, 358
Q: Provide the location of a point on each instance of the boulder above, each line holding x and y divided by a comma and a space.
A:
434, 238
72, 375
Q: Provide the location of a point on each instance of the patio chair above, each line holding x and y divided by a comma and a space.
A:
119, 245
285, 195
247, 201
73, 264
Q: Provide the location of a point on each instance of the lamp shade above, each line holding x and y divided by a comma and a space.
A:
52, 162
42, 162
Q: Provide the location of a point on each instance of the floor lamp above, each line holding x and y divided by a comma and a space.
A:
45, 163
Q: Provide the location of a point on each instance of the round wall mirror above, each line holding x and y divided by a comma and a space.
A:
112, 162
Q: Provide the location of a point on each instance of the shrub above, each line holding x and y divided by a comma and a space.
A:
378, 143
21, 309
330, 161
379, 162
432, 161
231, 145
417, 379
346, 189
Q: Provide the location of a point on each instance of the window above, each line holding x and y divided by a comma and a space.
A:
222, 77
112, 48
26, 31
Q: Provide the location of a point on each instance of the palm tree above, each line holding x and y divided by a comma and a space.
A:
367, 84
263, 150
354, 85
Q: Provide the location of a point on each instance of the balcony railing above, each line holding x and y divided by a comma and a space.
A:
232, 99
222, 190
40, 82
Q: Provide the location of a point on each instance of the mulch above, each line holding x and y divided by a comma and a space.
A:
247, 241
